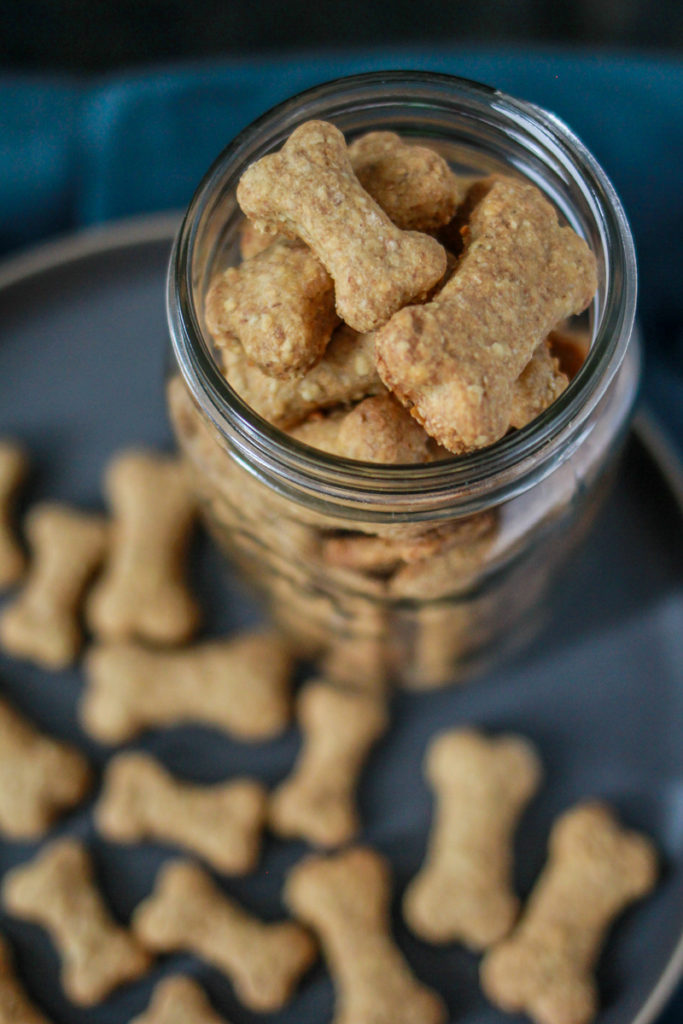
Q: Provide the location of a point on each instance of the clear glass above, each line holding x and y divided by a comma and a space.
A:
415, 574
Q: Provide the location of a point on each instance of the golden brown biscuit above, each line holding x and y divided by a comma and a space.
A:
178, 1000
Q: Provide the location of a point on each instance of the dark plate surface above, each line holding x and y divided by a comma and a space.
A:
82, 352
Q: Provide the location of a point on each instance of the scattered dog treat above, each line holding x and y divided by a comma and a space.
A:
253, 241
453, 361
316, 802
345, 899
187, 911
40, 777
345, 374
13, 470
15, 1005
142, 592
178, 1000
241, 685
279, 305
539, 384
595, 869
413, 184
223, 823
309, 190
464, 890
57, 891
42, 622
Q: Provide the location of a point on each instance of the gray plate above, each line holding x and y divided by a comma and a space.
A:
82, 350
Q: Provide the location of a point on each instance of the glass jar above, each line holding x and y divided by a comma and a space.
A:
416, 574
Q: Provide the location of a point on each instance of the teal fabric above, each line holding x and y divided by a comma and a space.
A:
79, 153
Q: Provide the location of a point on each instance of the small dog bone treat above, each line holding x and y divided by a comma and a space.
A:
253, 241
39, 777
308, 190
345, 899
413, 184
142, 592
316, 802
41, 623
378, 429
539, 384
241, 685
178, 1000
463, 891
57, 891
346, 373
454, 360
222, 823
15, 1006
13, 470
188, 912
279, 305
595, 869
449, 571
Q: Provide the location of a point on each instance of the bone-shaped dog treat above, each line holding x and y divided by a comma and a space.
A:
57, 891
539, 384
279, 305
13, 469
316, 802
42, 622
413, 184
241, 685
15, 1005
308, 190
142, 592
39, 777
463, 890
222, 823
545, 967
378, 429
346, 373
178, 1000
253, 241
187, 911
345, 899
453, 361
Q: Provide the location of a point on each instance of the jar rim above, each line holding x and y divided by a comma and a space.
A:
461, 484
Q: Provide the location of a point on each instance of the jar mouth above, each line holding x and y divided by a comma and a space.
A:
536, 141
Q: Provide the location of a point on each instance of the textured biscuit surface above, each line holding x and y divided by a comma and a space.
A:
13, 470
178, 1000
594, 870
345, 899
453, 361
57, 891
309, 190
40, 777
241, 685
187, 911
316, 801
463, 890
279, 305
42, 622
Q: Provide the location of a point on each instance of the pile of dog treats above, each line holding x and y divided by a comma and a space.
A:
124, 575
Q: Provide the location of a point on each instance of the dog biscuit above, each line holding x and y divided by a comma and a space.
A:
240, 685
223, 823
13, 470
42, 622
253, 241
308, 190
453, 361
40, 777
538, 385
279, 305
594, 870
15, 1005
463, 890
345, 899
316, 801
141, 592
57, 891
188, 912
345, 374
178, 1000
413, 184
